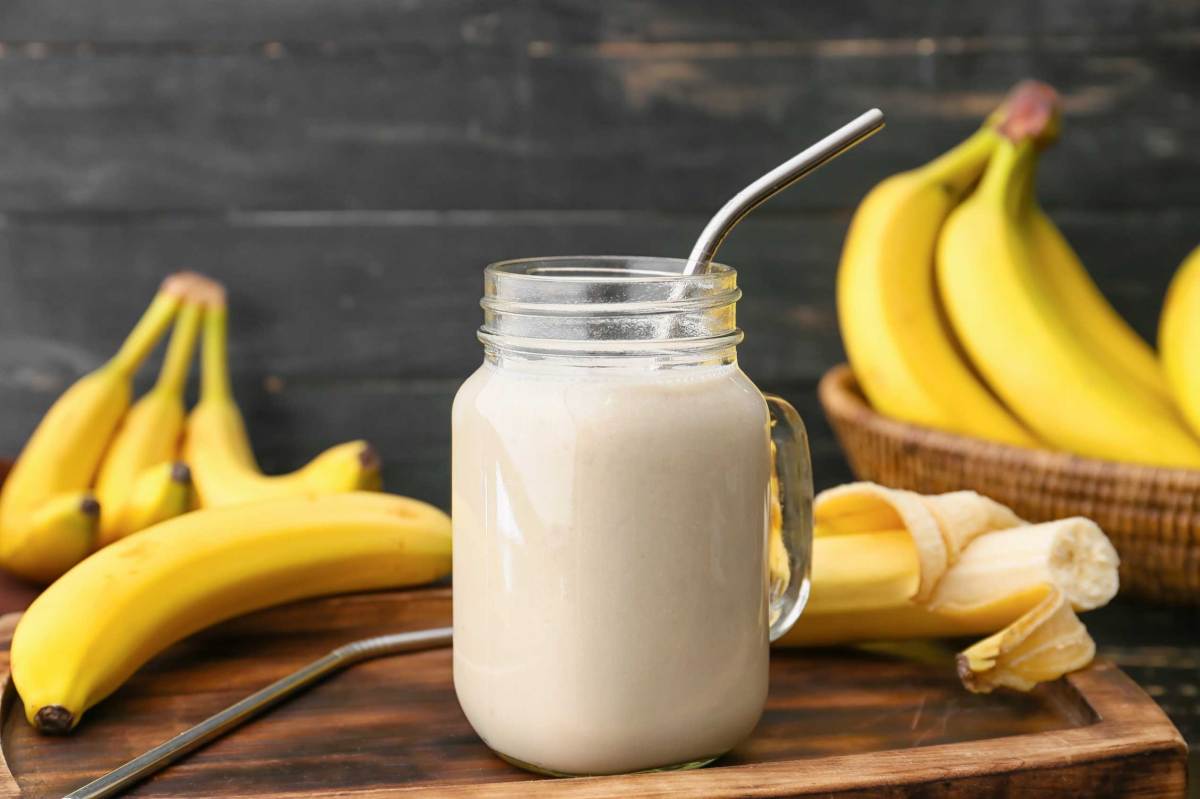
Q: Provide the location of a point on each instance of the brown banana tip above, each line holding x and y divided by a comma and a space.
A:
209, 292
179, 284
89, 506
968, 677
369, 459
180, 472
1031, 110
54, 720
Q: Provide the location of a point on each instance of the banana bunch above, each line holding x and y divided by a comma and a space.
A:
963, 307
892, 565
96, 469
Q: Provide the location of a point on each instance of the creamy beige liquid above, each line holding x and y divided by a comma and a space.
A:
610, 608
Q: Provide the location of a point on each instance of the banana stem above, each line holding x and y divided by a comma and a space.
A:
1004, 179
958, 169
215, 385
178, 360
146, 333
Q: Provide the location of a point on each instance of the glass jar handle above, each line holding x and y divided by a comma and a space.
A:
790, 541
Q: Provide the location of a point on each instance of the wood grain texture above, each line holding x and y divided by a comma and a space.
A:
629, 125
461, 21
838, 723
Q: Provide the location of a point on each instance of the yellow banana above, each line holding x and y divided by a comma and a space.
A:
1179, 338
146, 591
61, 457
159, 492
1024, 346
1084, 306
218, 450
903, 354
53, 538
148, 437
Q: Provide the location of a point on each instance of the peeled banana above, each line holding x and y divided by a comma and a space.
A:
148, 441
48, 513
878, 575
218, 450
1179, 339
1025, 347
97, 624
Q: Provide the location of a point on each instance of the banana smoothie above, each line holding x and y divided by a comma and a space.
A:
610, 600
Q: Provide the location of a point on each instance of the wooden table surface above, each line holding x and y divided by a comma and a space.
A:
838, 722
1159, 647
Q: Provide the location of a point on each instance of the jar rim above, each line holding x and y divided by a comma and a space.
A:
603, 268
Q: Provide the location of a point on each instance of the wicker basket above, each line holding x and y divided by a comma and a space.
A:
1151, 514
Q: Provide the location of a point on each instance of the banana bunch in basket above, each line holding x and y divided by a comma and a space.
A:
963, 307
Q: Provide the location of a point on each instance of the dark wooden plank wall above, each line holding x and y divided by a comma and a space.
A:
349, 166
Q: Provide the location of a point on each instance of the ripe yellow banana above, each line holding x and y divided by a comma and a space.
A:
877, 576
901, 350
218, 450
149, 590
1025, 347
1085, 308
1179, 338
148, 440
61, 457
160, 492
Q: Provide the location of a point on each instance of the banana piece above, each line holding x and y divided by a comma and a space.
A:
160, 492
146, 591
1085, 308
1021, 342
1179, 338
61, 457
218, 450
1044, 644
902, 352
149, 437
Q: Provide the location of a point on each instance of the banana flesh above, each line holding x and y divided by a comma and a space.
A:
876, 576
1179, 339
97, 624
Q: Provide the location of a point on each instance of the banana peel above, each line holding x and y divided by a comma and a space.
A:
892, 565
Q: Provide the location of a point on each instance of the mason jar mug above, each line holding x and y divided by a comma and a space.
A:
615, 480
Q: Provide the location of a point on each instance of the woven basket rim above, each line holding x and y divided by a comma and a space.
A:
842, 398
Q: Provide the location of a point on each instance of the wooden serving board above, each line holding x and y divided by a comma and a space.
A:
838, 723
